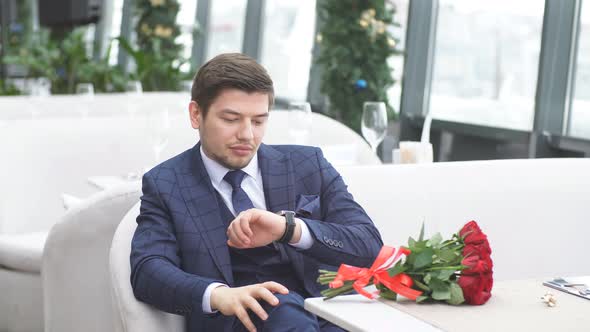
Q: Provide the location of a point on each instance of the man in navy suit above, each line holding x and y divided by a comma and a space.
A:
232, 232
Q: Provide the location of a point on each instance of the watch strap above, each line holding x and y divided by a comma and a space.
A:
290, 226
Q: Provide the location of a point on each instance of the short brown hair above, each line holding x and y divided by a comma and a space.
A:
230, 70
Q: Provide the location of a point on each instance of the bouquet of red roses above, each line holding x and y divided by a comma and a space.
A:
455, 271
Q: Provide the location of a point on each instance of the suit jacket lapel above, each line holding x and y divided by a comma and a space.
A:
202, 205
278, 178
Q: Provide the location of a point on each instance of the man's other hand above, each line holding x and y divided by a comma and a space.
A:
236, 301
255, 228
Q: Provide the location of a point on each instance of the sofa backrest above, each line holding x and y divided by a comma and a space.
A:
69, 139
534, 211
75, 262
131, 315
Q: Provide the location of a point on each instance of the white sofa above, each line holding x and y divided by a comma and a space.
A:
534, 211
51, 147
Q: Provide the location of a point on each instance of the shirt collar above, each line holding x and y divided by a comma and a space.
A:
216, 171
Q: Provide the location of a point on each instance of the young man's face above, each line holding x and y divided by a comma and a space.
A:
233, 128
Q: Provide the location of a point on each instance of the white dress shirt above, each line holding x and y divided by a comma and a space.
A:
253, 186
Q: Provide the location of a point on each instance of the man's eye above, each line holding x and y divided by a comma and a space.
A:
230, 120
258, 122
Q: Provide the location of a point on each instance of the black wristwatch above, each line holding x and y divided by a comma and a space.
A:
290, 228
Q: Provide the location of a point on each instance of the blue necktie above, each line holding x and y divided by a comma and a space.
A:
242, 202
239, 198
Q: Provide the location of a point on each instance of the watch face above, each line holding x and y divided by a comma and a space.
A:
285, 212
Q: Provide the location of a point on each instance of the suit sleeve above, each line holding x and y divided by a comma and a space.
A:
345, 234
156, 276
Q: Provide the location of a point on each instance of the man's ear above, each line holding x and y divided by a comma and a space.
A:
195, 114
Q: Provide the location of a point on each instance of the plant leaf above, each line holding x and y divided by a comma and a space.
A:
456, 294
422, 286
396, 269
424, 258
411, 243
386, 292
421, 298
435, 240
421, 236
440, 290
447, 255
445, 274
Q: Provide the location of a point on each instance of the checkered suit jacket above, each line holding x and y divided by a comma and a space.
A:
179, 247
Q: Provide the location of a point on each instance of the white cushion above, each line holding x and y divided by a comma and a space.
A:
75, 262
22, 252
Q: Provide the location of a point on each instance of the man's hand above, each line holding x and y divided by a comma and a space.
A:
256, 228
236, 301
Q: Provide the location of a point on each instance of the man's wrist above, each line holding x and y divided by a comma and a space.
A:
209, 306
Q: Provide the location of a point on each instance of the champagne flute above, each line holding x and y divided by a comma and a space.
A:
299, 121
374, 123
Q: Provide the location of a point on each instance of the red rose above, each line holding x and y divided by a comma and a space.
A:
480, 249
476, 288
472, 233
477, 264
476, 280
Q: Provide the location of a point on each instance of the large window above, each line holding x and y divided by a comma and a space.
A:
287, 44
185, 19
486, 62
226, 27
115, 30
186, 22
397, 61
580, 115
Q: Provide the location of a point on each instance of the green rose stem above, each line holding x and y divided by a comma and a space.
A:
325, 278
333, 292
457, 267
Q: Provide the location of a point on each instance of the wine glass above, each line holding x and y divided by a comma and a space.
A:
374, 123
133, 88
40, 90
134, 91
159, 127
86, 91
41, 87
299, 121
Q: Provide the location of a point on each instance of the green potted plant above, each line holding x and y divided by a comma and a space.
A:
355, 44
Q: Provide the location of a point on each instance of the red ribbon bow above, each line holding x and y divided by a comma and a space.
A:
388, 256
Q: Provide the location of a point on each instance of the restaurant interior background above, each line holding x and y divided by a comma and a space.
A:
500, 79
94, 93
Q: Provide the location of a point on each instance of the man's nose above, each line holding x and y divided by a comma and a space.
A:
245, 132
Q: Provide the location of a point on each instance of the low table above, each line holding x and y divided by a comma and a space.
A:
514, 306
